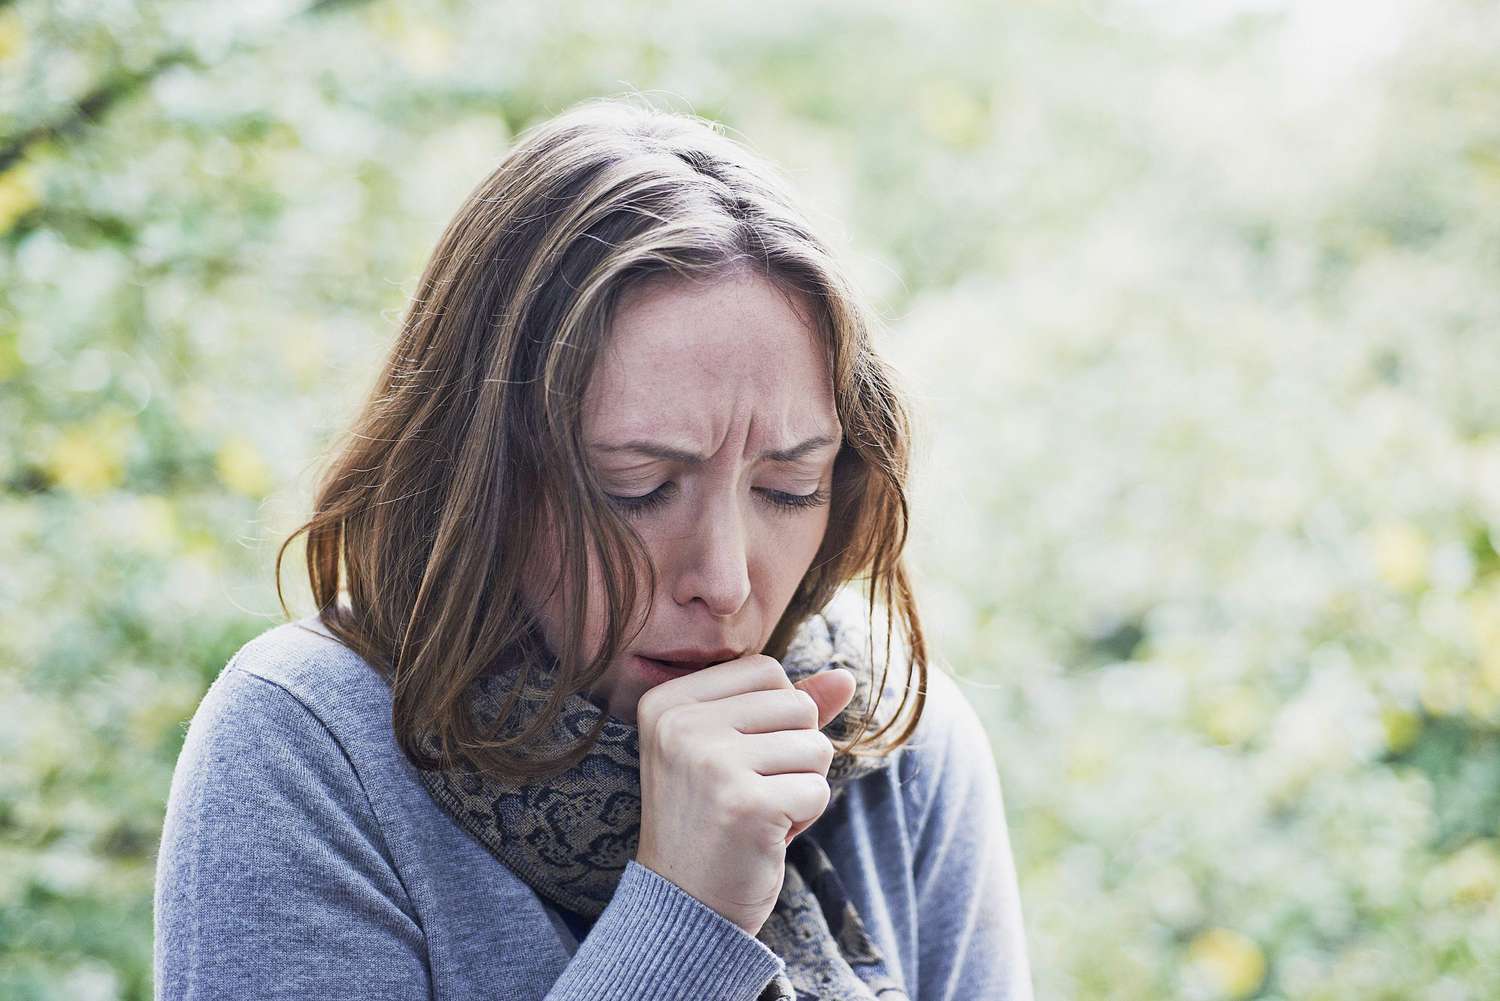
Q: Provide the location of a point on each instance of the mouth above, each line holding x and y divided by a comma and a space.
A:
685, 666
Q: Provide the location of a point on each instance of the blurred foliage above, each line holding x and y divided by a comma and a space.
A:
1200, 302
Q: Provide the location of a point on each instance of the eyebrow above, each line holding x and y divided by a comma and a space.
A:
658, 451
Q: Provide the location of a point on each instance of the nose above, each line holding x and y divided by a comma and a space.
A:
714, 563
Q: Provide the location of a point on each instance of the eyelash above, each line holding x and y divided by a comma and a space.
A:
785, 501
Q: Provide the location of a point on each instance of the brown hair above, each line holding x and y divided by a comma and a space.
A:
431, 503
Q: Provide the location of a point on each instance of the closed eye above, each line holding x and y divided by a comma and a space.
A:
776, 498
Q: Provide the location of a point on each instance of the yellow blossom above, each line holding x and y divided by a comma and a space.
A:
12, 35
1232, 716
1401, 552
19, 192
1471, 875
153, 524
1232, 962
1401, 726
1484, 622
89, 458
241, 467
10, 358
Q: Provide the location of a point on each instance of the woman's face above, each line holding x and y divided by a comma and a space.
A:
726, 372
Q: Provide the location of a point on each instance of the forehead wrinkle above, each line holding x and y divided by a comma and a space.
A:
659, 450
698, 369
671, 434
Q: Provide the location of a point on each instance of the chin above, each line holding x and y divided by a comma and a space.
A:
619, 704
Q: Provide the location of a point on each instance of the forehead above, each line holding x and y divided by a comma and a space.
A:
695, 358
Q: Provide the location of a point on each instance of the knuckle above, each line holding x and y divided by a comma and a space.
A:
768, 670
718, 761
809, 708
736, 805
648, 709
825, 748
672, 723
813, 798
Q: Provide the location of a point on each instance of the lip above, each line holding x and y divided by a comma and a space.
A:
656, 672
693, 655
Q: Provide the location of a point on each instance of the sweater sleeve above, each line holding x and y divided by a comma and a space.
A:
273, 880
655, 940
971, 945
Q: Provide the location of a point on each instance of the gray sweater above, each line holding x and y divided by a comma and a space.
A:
302, 857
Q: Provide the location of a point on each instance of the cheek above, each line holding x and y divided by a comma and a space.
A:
794, 555
548, 572
801, 535
809, 539
544, 585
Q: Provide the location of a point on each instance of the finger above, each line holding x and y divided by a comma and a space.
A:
800, 797
773, 711
832, 690
751, 673
787, 751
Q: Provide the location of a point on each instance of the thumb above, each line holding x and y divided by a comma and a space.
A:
831, 690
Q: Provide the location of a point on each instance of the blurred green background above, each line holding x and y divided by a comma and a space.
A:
1200, 301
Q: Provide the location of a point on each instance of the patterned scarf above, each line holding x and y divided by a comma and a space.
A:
569, 838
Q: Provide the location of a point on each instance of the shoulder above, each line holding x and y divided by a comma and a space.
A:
949, 756
284, 723
307, 662
270, 844
274, 712
949, 742
950, 726
299, 668
271, 766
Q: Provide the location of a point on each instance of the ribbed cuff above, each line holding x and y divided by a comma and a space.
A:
655, 940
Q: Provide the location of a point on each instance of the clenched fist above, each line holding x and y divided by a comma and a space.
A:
734, 765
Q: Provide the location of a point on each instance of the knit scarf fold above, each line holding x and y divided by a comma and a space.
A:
569, 838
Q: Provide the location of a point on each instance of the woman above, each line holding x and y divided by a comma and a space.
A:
586, 567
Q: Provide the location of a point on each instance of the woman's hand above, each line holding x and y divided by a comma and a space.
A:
734, 765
